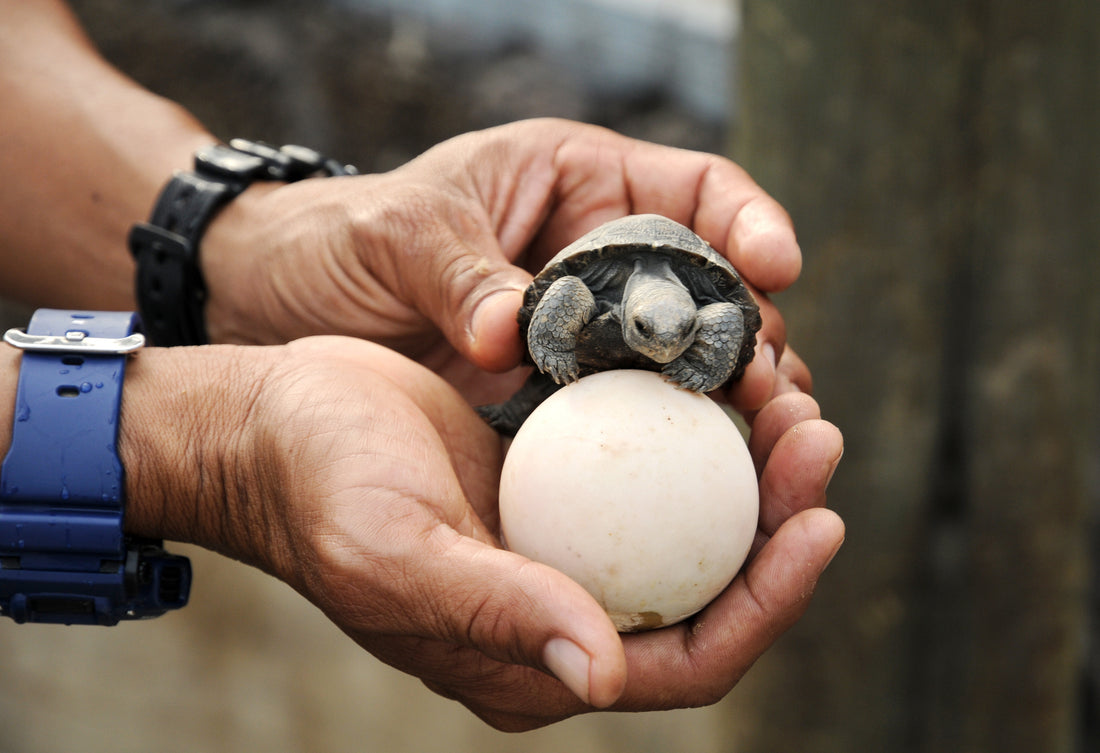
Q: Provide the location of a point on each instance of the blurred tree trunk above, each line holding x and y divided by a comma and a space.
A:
940, 163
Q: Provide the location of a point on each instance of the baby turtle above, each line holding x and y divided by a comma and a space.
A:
641, 292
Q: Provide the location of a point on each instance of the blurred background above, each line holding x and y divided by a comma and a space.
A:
940, 162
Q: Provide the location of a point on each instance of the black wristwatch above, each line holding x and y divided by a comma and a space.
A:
64, 557
171, 292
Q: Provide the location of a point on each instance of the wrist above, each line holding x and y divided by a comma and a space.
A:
274, 255
234, 246
193, 468
186, 439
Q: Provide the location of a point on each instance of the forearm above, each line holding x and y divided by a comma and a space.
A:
86, 151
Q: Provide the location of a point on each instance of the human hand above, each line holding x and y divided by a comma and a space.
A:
697, 662
367, 483
432, 258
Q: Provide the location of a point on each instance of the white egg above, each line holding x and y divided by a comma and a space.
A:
643, 493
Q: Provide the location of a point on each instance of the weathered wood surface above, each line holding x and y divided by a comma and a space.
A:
940, 162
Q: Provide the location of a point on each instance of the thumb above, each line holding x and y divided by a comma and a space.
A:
522, 612
492, 337
455, 273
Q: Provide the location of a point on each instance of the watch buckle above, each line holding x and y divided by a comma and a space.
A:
74, 341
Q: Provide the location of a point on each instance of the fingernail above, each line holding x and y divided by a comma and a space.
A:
508, 298
492, 331
769, 353
569, 663
832, 471
480, 312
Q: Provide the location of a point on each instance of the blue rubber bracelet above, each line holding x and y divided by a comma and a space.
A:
63, 554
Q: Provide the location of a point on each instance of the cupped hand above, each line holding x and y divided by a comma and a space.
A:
431, 259
697, 662
396, 526
368, 484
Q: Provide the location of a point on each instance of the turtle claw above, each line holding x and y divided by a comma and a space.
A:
564, 310
685, 376
561, 367
711, 359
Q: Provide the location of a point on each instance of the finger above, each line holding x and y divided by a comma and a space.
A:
602, 175
510, 697
698, 662
467, 593
793, 375
758, 383
473, 295
798, 471
761, 244
774, 419
442, 258
723, 204
492, 338
527, 613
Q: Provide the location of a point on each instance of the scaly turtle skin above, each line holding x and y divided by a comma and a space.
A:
641, 292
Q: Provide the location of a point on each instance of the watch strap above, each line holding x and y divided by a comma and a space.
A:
63, 554
170, 288
61, 391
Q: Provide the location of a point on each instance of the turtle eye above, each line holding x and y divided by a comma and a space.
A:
641, 327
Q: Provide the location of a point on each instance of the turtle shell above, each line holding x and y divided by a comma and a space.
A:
602, 259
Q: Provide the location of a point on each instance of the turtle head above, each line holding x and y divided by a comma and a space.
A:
658, 312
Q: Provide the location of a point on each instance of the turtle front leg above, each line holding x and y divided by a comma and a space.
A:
561, 313
711, 358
